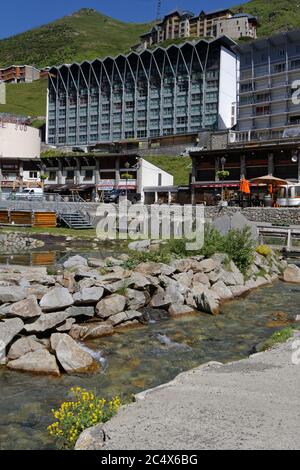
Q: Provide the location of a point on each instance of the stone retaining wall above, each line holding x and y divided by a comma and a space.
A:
282, 215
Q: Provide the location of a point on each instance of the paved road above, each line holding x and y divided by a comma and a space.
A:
250, 404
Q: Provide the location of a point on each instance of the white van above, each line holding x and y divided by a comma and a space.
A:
28, 193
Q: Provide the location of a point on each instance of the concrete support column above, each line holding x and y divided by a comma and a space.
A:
217, 167
77, 172
270, 163
59, 173
169, 197
243, 166
156, 197
298, 167
21, 175
97, 172
193, 179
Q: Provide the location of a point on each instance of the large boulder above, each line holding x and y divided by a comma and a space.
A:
153, 269
208, 302
110, 305
127, 316
88, 296
39, 362
201, 278
137, 299
13, 294
81, 311
174, 292
70, 355
9, 329
185, 279
292, 274
91, 330
57, 298
27, 308
160, 300
93, 438
207, 265
181, 265
139, 245
47, 321
222, 291
75, 261
24, 346
178, 309
66, 326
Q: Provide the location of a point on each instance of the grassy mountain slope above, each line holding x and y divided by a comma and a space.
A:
26, 99
274, 16
85, 34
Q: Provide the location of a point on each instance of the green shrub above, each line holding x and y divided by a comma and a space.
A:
239, 246
213, 241
278, 337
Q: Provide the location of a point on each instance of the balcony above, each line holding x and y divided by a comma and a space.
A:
268, 136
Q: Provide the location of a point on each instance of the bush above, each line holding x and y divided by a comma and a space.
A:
264, 250
239, 246
278, 337
213, 241
75, 416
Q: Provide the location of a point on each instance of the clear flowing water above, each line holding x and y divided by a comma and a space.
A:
137, 359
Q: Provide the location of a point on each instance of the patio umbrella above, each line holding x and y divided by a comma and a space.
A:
269, 179
244, 186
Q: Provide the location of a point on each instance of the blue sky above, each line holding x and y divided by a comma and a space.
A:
19, 15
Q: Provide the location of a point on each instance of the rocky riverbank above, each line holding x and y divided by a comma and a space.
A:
45, 318
14, 242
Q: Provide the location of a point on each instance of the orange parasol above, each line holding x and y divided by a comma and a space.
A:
244, 186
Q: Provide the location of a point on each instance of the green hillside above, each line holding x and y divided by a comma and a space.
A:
26, 99
85, 34
274, 16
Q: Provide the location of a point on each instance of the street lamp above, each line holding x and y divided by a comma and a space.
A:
223, 161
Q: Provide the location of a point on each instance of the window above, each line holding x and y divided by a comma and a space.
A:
52, 176
70, 175
278, 68
89, 173
33, 175
159, 179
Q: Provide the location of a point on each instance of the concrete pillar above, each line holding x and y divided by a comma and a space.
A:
97, 171
243, 166
77, 172
59, 172
298, 166
217, 167
270, 163
156, 197
169, 197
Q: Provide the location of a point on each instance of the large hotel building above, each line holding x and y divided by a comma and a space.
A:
173, 91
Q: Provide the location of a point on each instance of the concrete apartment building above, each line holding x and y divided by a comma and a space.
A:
174, 91
19, 74
266, 139
184, 24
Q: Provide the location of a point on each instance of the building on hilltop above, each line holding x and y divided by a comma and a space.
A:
19, 74
174, 91
184, 24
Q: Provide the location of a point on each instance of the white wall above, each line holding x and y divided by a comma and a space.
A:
148, 176
227, 87
19, 141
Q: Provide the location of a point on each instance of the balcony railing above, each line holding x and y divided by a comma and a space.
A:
236, 138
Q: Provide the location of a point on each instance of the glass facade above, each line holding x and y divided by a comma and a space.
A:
153, 94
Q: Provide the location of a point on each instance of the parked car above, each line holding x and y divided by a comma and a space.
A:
114, 195
28, 194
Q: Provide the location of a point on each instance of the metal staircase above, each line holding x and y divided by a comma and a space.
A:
75, 220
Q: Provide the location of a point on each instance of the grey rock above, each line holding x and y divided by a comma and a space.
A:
185, 279
96, 263
91, 330
179, 309
80, 311
47, 321
181, 265
12, 295
137, 299
207, 265
139, 245
166, 269
37, 290
150, 268
88, 296
122, 317
57, 298
91, 439
138, 281
69, 354
222, 291
292, 274
173, 292
110, 305
39, 362
27, 308
75, 261
208, 302
239, 290
160, 300
201, 278
66, 326
23, 346
9, 329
